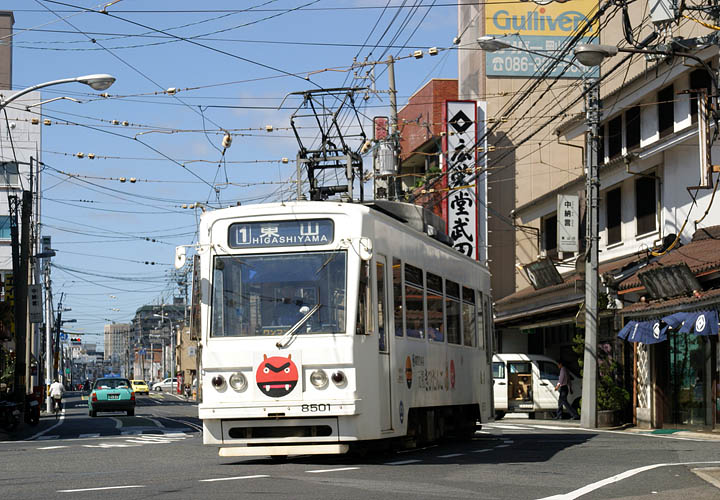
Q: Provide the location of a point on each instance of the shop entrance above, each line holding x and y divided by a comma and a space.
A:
683, 383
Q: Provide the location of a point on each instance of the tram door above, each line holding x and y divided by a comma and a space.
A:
383, 343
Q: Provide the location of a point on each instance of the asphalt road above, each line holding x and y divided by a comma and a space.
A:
158, 453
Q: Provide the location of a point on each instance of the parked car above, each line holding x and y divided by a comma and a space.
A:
140, 387
111, 394
525, 383
166, 385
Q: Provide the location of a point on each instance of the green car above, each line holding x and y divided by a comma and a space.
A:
111, 394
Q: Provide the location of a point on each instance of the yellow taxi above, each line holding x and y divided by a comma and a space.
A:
140, 386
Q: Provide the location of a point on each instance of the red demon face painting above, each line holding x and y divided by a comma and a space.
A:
276, 377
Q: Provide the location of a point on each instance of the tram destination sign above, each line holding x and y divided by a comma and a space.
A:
281, 233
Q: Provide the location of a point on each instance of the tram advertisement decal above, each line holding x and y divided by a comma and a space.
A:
276, 376
465, 208
280, 233
533, 31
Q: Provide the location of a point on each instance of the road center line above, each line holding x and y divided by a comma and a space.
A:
451, 455
52, 447
232, 478
616, 478
331, 470
102, 488
481, 451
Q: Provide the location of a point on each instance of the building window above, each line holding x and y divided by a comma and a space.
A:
4, 227
699, 79
9, 174
666, 110
614, 216
632, 128
645, 205
550, 235
615, 137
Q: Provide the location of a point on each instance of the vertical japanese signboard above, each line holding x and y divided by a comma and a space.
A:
568, 221
465, 208
533, 30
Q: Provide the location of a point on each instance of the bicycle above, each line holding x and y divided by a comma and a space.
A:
57, 407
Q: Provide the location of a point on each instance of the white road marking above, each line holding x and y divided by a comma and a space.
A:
232, 478
118, 422
52, 447
40, 434
503, 446
47, 438
403, 462
103, 488
554, 427
616, 478
481, 451
110, 445
93, 435
331, 470
451, 455
155, 421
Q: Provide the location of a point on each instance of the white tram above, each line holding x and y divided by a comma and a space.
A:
326, 323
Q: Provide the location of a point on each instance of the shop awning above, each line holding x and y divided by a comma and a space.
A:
702, 323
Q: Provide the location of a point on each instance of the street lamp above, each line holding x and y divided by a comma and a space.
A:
97, 82
588, 56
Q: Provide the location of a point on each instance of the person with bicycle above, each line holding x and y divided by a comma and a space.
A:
56, 393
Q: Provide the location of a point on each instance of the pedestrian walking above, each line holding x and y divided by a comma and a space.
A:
563, 386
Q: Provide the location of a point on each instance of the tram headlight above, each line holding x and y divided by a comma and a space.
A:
338, 378
319, 379
218, 382
238, 382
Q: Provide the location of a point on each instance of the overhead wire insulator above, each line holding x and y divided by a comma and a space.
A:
227, 140
268, 128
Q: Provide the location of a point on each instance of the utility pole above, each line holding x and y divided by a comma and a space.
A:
592, 187
48, 335
20, 257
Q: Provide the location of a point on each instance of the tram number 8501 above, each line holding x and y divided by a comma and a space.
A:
315, 407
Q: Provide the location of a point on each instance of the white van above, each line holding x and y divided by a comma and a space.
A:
525, 383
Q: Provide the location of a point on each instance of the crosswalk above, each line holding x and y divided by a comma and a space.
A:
123, 440
527, 427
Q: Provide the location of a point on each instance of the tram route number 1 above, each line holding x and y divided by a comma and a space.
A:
315, 407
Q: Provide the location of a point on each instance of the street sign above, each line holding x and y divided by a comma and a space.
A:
67, 371
63, 336
35, 304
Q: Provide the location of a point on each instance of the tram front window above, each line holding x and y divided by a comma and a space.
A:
256, 295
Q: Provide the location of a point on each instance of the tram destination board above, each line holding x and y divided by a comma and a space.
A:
281, 233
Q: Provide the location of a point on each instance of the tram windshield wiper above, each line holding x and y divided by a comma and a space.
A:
285, 339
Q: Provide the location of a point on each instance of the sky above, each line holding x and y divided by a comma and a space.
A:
232, 65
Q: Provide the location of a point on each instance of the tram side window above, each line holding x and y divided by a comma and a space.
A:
452, 307
414, 310
436, 332
380, 278
364, 323
397, 296
469, 319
